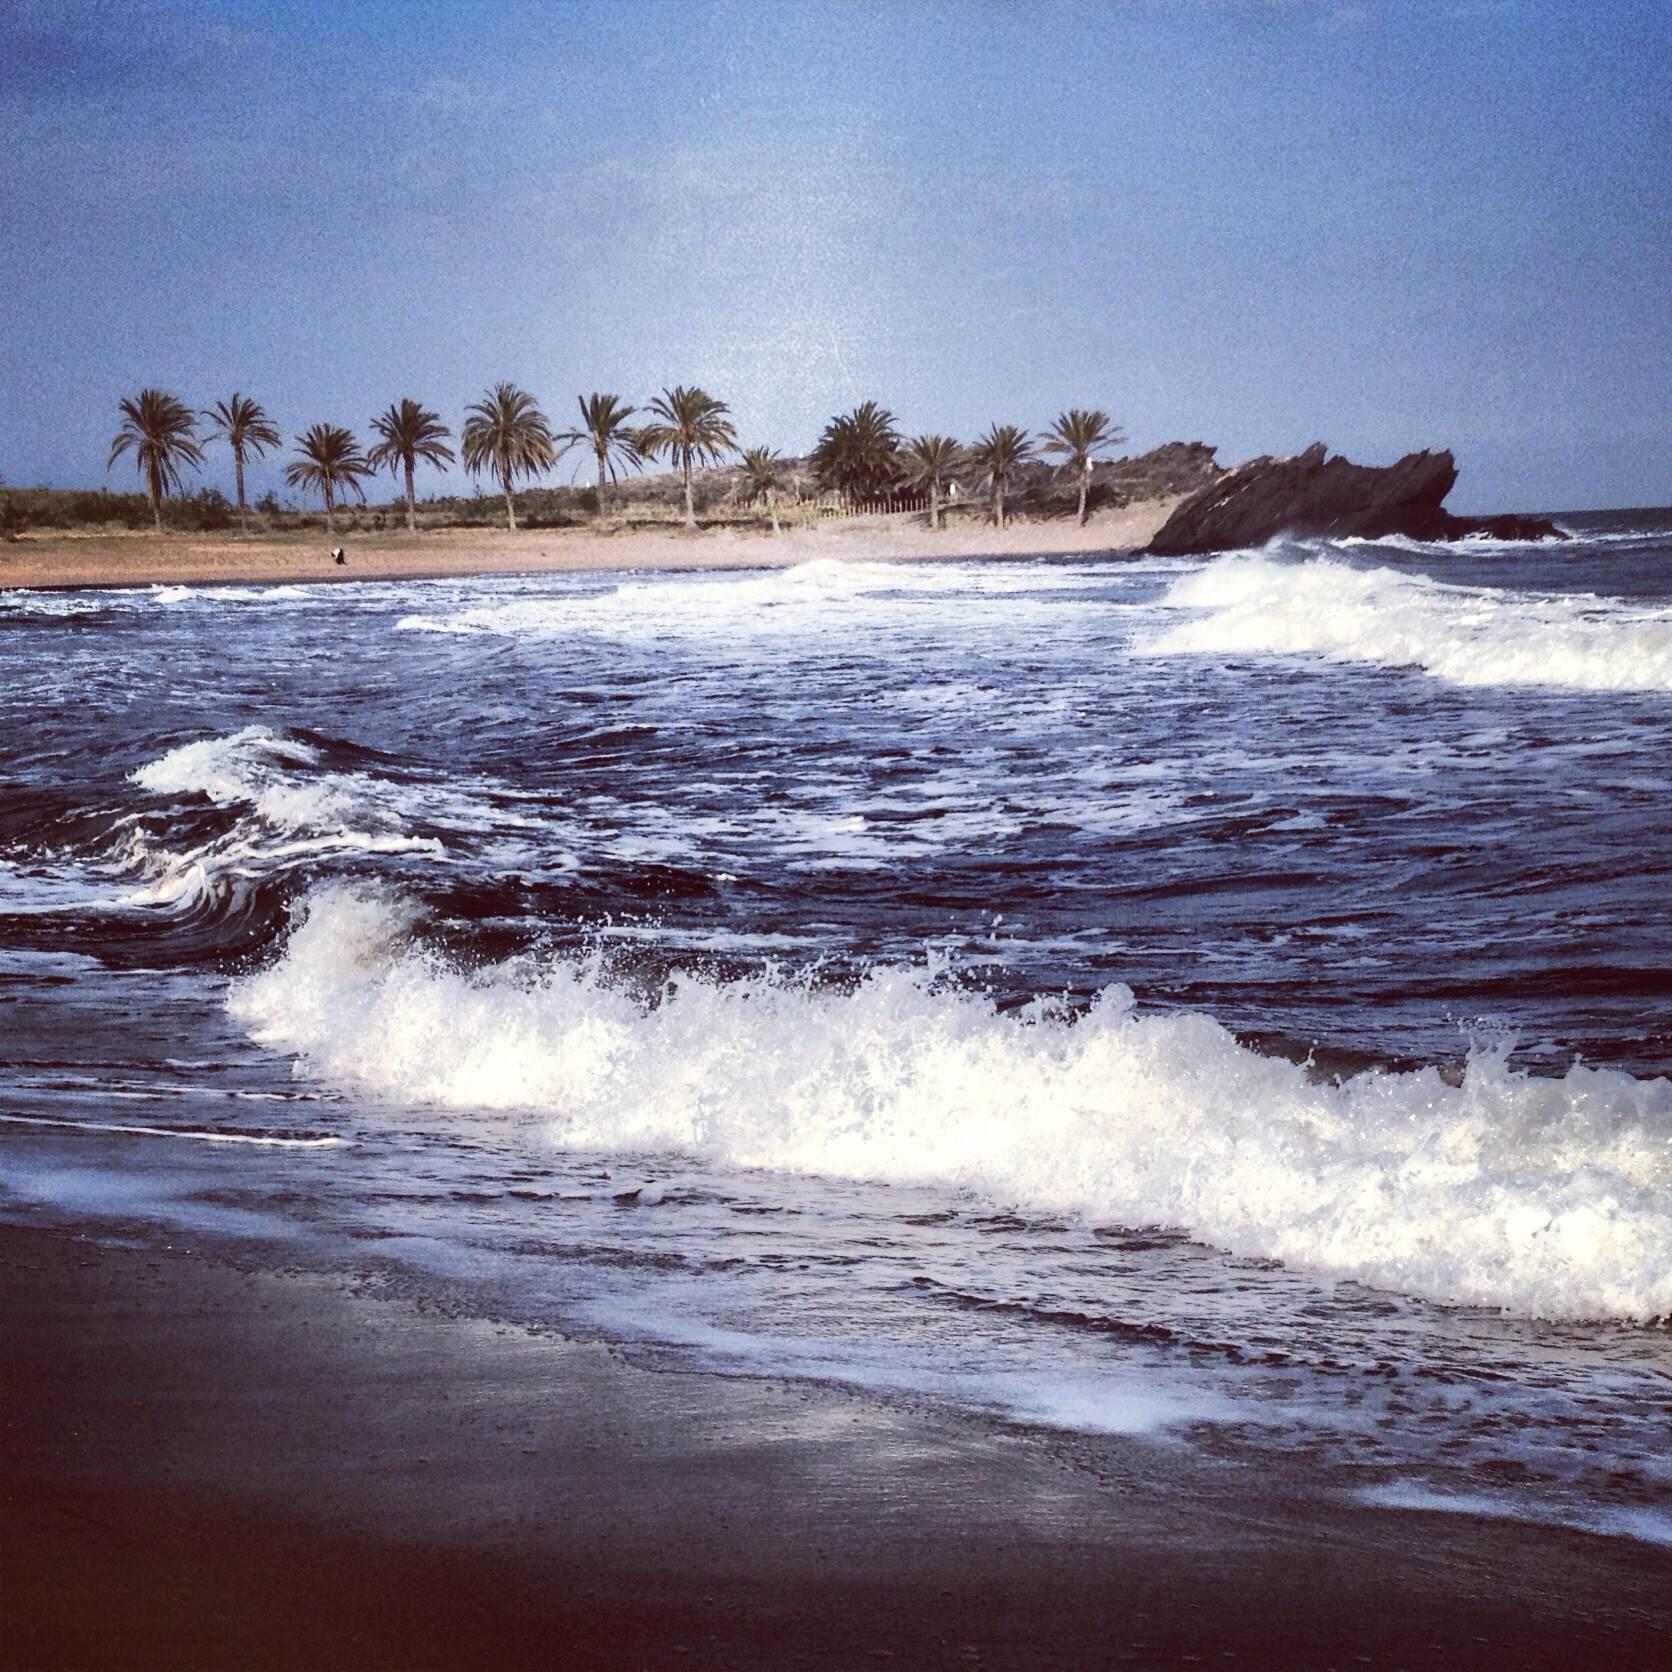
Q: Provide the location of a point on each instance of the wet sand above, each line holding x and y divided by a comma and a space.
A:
43, 560
204, 1466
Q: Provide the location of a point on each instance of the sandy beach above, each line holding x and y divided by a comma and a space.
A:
147, 559
206, 1466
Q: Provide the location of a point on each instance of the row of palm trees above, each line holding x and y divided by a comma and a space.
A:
861, 454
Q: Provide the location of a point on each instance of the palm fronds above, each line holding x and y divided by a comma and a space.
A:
762, 477
247, 429
409, 432
506, 433
161, 432
331, 460
927, 461
1078, 435
691, 427
859, 452
995, 456
614, 443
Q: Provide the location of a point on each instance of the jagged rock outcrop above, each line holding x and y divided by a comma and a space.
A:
1313, 494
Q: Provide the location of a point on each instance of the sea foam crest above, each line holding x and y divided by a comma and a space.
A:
250, 766
294, 811
1544, 1196
1264, 604
797, 599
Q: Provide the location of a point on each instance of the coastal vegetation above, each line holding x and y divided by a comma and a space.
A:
996, 457
690, 426
507, 435
247, 430
862, 464
1079, 436
858, 455
330, 462
605, 430
408, 432
928, 461
161, 433
762, 478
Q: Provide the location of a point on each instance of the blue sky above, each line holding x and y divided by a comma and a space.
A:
1386, 224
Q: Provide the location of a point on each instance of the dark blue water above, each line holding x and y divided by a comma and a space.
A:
1225, 999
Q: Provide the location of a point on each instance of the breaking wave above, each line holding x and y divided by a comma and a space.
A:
275, 776
1263, 604
289, 809
1547, 1197
812, 597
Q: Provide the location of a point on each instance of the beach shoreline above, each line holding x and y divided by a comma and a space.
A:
53, 562
210, 1464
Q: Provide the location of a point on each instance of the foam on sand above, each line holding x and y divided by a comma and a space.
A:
1637, 1521
1549, 1197
1262, 603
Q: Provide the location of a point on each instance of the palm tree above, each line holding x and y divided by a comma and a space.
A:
410, 432
605, 430
1077, 436
996, 455
247, 429
926, 462
762, 469
507, 433
331, 460
859, 452
690, 425
162, 434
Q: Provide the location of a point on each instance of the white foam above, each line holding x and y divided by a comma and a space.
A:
1263, 604
1141, 1399
23, 601
279, 779
221, 766
46, 890
1648, 1525
251, 594
187, 1133
799, 599
295, 812
1544, 1196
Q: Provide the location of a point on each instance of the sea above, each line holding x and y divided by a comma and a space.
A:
1223, 1004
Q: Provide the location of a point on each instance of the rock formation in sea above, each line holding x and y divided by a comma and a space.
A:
1313, 494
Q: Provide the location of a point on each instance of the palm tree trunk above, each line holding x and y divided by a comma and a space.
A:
690, 509
934, 503
998, 503
330, 510
154, 492
1085, 482
243, 509
510, 509
411, 502
601, 468
772, 506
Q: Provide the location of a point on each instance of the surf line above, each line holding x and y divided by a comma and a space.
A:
177, 1132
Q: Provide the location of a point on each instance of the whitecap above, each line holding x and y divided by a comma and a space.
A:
1549, 1197
1253, 604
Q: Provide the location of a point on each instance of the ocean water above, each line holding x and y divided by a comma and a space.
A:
1222, 1002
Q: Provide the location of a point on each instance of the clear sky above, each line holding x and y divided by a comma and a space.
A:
1385, 224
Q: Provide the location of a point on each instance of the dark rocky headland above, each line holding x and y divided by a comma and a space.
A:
1312, 494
